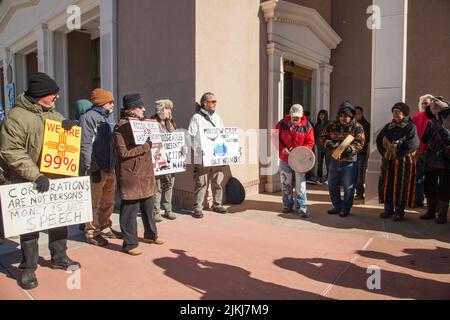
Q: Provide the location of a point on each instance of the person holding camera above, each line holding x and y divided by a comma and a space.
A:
397, 143
437, 163
98, 161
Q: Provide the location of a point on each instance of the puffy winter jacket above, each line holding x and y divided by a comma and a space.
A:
291, 136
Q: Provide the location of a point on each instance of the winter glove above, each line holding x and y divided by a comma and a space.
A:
42, 184
330, 146
149, 142
96, 176
347, 152
68, 124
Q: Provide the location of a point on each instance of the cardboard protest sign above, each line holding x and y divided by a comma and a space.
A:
61, 149
221, 147
24, 210
174, 159
143, 129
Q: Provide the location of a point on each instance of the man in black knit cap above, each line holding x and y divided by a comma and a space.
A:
21, 140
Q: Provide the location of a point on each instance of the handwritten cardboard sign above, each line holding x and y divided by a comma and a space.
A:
144, 129
24, 210
61, 149
174, 158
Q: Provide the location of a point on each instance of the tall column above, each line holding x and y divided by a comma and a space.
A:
324, 82
45, 50
388, 75
275, 109
108, 46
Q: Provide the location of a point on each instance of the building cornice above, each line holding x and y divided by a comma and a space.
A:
9, 8
289, 13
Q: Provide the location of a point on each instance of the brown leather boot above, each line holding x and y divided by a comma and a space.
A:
442, 214
432, 209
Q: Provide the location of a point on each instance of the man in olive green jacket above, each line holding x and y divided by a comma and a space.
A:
21, 140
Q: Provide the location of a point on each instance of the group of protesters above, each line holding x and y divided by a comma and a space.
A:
111, 158
415, 158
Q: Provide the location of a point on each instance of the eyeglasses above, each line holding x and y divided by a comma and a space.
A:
212, 101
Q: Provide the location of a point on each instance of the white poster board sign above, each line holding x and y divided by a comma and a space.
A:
24, 210
172, 155
221, 147
143, 129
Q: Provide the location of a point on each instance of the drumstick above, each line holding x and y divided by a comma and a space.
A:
338, 152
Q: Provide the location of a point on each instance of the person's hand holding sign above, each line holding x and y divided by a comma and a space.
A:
42, 184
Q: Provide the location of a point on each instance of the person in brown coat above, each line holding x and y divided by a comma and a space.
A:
136, 179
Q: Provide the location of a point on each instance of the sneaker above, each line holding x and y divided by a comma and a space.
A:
169, 215
397, 217
334, 211
303, 215
287, 210
28, 280
158, 241
98, 241
386, 215
197, 214
158, 217
112, 234
134, 252
65, 264
220, 209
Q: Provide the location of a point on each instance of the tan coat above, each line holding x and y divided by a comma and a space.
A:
135, 173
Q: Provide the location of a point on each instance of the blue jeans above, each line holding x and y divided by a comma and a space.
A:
399, 209
342, 174
287, 187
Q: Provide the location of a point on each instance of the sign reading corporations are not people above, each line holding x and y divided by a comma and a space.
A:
24, 210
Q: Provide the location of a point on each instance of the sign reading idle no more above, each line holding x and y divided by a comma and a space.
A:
221, 147
24, 210
61, 149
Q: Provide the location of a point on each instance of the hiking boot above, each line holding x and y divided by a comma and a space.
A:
397, 217
65, 264
344, 214
134, 252
431, 212
220, 209
287, 210
98, 241
334, 211
158, 241
28, 280
169, 215
386, 214
158, 217
303, 215
198, 214
442, 215
112, 234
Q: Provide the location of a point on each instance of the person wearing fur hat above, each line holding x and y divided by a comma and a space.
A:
164, 183
98, 161
21, 140
397, 143
294, 131
437, 180
136, 179
343, 171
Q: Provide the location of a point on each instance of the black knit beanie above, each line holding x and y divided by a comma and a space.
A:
41, 85
403, 107
131, 101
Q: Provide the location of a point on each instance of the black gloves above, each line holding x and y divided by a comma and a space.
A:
347, 152
96, 176
149, 142
68, 124
42, 184
330, 146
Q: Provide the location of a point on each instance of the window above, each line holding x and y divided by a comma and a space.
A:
297, 87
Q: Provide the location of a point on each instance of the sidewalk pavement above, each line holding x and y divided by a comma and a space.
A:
255, 252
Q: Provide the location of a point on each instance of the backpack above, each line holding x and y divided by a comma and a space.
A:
235, 191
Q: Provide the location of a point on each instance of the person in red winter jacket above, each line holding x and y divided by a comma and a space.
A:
294, 131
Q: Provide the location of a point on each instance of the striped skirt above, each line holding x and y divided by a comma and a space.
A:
397, 183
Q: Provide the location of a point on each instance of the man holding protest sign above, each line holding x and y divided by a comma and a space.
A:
206, 117
98, 161
164, 182
21, 140
136, 179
